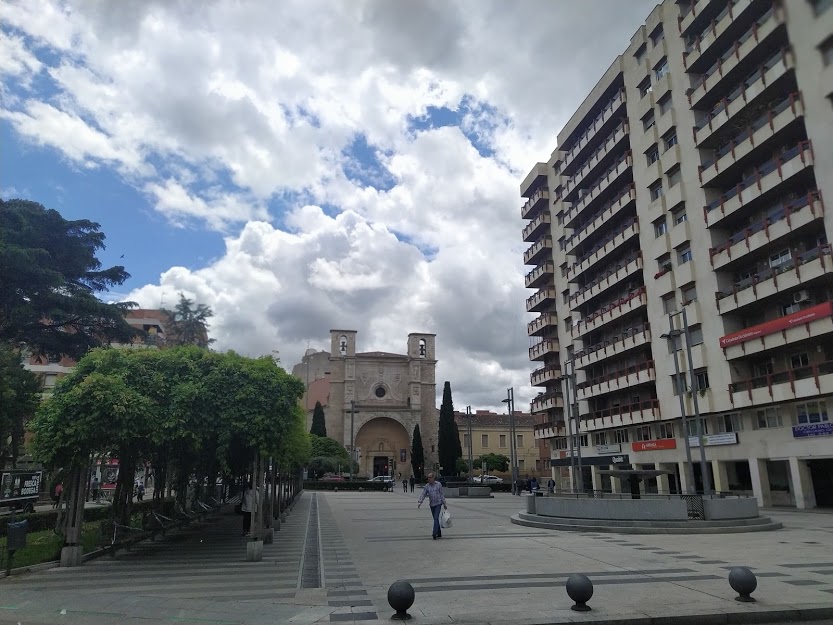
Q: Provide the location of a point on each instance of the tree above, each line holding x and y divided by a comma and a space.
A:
462, 466
188, 324
49, 278
323, 446
19, 399
417, 453
448, 440
494, 462
319, 426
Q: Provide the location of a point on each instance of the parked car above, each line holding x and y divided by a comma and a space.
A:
382, 478
332, 477
487, 479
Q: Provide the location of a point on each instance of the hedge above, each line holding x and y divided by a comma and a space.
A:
369, 486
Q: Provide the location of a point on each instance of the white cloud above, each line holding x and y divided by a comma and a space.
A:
220, 113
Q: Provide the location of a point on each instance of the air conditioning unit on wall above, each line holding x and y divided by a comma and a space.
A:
801, 296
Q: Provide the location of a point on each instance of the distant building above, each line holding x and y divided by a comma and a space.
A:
314, 371
490, 435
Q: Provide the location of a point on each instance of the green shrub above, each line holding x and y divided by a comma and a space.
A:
369, 486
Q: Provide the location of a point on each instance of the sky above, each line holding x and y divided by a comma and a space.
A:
309, 164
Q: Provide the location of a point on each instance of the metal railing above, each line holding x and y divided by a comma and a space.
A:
625, 372
790, 376
584, 225
605, 144
614, 341
594, 186
625, 409
611, 306
606, 273
632, 222
609, 106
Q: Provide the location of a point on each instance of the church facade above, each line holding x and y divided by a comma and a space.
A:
376, 399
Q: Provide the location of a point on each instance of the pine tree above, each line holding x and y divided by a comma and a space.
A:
417, 454
319, 425
448, 440
188, 323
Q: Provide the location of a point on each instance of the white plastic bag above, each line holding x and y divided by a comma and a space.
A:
445, 519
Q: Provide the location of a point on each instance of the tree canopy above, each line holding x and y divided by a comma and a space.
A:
49, 278
188, 323
448, 439
319, 424
19, 398
494, 462
417, 453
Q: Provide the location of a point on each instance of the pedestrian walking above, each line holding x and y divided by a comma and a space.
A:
246, 504
404, 485
533, 485
551, 486
140, 492
95, 485
56, 494
436, 499
412, 481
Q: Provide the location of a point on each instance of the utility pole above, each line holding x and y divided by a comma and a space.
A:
571, 440
513, 445
578, 427
704, 468
353, 460
471, 457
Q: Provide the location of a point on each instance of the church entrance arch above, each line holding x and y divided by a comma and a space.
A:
384, 448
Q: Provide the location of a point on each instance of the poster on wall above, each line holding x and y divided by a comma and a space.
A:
402, 455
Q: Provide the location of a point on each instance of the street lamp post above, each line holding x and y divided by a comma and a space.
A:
574, 412
570, 438
353, 412
471, 457
513, 452
678, 381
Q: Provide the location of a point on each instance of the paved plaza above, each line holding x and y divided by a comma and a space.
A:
335, 557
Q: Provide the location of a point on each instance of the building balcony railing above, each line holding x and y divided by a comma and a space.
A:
765, 178
604, 116
798, 383
607, 279
730, 59
728, 152
612, 311
773, 280
761, 232
611, 414
549, 429
689, 13
538, 202
595, 189
609, 143
640, 373
605, 246
547, 402
536, 227
545, 375
699, 44
542, 274
541, 299
764, 74
541, 323
544, 348
614, 346
622, 199
538, 251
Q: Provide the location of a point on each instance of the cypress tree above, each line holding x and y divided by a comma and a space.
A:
417, 454
319, 426
448, 440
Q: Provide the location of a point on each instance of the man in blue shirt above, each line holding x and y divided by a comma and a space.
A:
436, 498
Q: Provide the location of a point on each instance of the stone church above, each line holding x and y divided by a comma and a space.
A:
384, 396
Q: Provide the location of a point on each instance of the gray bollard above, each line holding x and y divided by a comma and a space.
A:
743, 582
401, 597
580, 590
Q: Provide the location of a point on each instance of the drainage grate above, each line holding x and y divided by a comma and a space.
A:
311, 564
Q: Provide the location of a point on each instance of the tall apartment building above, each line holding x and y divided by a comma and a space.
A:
693, 176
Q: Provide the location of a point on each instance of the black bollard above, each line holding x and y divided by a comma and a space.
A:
743, 582
401, 597
579, 589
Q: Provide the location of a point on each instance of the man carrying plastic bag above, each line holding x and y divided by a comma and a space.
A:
436, 500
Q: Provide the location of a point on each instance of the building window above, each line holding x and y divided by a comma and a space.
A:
648, 121
669, 304
643, 433
694, 430
811, 412
689, 293
600, 438
670, 139
826, 49
519, 441
665, 104
652, 154
644, 89
788, 309
657, 35
674, 176
380, 392
695, 334
502, 440
683, 255
665, 430
466, 441
679, 215
581, 441
799, 360
560, 444
520, 463
779, 258
661, 69
679, 380
660, 227
49, 380
620, 436
656, 190
701, 379
768, 418
640, 53
820, 6
484, 440
726, 423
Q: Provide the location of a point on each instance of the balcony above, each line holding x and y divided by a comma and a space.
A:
613, 142
541, 300
541, 275
546, 375
546, 347
611, 312
641, 373
539, 251
547, 402
780, 220
799, 383
766, 178
535, 204
623, 199
589, 195
808, 323
692, 13
627, 414
615, 346
765, 127
538, 226
621, 235
623, 269
787, 276
746, 92
541, 323
728, 65
549, 429
601, 121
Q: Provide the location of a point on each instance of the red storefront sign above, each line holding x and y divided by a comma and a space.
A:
663, 443
776, 325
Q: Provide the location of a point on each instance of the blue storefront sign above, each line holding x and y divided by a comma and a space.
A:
813, 429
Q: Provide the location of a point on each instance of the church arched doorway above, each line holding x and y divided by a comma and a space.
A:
384, 448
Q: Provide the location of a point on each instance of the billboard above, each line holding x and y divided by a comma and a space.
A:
776, 325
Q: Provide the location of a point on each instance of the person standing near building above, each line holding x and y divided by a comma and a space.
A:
246, 508
436, 499
412, 481
551, 486
404, 485
94, 487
